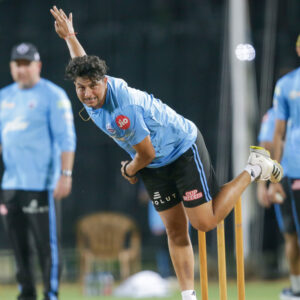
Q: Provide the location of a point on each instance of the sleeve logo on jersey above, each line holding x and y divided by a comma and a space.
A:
192, 195
63, 103
123, 122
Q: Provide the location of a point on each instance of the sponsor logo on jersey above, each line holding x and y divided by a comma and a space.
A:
124, 137
15, 125
7, 104
110, 129
192, 195
123, 122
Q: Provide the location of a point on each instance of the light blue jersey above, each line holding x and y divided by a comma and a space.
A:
287, 107
130, 115
267, 127
266, 133
36, 125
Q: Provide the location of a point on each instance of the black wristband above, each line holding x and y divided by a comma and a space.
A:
124, 169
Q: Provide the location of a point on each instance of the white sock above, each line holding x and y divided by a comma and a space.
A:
295, 283
188, 295
254, 171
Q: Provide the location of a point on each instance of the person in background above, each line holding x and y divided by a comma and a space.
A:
38, 142
166, 150
286, 145
283, 210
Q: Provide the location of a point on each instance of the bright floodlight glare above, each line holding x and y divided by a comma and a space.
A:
245, 52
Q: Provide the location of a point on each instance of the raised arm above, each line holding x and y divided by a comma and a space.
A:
65, 30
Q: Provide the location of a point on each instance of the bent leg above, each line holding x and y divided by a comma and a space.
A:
180, 247
206, 216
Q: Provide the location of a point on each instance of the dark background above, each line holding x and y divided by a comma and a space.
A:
170, 48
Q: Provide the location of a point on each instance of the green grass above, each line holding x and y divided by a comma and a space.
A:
256, 290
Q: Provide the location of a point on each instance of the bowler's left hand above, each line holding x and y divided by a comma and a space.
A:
63, 187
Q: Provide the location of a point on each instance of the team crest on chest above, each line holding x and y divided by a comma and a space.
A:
123, 122
32, 104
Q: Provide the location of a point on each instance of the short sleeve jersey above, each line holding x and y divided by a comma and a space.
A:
130, 115
287, 108
36, 125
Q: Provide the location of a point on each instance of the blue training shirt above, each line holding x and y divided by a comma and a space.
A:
266, 133
130, 115
36, 125
287, 107
267, 126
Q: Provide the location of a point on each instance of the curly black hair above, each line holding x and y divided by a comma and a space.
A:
89, 66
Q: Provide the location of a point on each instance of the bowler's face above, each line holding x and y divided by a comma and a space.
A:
90, 92
26, 73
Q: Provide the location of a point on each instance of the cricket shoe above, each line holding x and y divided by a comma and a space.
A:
270, 169
288, 294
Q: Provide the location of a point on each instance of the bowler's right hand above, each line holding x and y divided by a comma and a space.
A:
63, 24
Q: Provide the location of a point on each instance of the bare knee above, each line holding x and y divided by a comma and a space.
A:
203, 217
204, 225
178, 235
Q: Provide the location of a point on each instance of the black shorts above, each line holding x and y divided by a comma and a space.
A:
288, 213
190, 178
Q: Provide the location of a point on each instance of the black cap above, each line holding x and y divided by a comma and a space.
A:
25, 51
